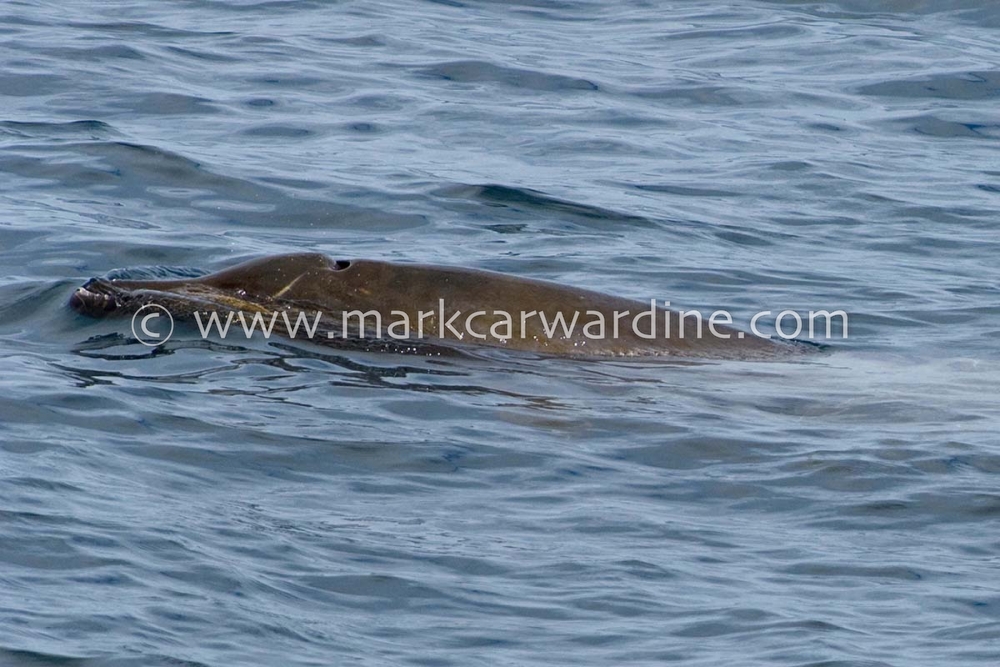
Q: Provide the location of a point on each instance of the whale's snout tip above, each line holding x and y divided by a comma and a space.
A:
87, 301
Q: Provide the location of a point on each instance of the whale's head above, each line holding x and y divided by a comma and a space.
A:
256, 286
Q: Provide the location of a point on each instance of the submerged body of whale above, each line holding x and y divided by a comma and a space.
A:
405, 307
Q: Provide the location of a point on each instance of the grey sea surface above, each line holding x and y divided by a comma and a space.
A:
270, 502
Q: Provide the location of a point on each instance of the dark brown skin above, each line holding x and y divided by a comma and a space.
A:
311, 282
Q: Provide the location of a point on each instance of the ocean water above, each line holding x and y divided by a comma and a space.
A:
266, 502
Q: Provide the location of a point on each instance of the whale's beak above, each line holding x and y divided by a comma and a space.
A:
92, 300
